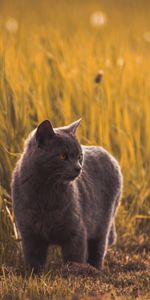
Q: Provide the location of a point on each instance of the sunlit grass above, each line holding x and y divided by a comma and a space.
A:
49, 59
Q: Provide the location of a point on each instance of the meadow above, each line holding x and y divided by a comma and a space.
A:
51, 54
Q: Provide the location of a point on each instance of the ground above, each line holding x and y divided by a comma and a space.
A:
126, 275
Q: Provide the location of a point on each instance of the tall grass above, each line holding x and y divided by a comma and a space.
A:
47, 70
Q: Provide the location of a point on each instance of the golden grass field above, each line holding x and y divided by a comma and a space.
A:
50, 54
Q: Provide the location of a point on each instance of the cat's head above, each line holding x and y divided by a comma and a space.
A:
59, 153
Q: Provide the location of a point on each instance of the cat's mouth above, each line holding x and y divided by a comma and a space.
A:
72, 177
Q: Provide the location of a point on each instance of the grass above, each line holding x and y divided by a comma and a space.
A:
50, 55
126, 276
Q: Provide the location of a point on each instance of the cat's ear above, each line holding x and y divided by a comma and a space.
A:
72, 127
44, 132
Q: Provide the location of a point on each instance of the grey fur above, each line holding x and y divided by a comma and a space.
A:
55, 203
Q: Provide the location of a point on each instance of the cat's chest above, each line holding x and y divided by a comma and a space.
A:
51, 224
45, 216
50, 215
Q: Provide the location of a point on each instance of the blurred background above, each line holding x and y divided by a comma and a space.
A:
68, 59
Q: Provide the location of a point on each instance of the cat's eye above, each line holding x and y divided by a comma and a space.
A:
63, 156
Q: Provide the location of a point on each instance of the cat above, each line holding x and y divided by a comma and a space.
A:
65, 194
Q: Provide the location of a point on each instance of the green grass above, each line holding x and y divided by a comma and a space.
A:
50, 54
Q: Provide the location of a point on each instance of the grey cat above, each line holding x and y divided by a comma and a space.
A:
65, 194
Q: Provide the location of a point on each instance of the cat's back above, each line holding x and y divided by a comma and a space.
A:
101, 167
97, 156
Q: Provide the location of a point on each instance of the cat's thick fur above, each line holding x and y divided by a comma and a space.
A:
55, 202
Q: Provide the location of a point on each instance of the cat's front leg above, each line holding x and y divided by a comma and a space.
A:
35, 252
97, 249
75, 249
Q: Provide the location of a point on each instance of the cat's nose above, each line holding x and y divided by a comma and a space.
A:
78, 167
